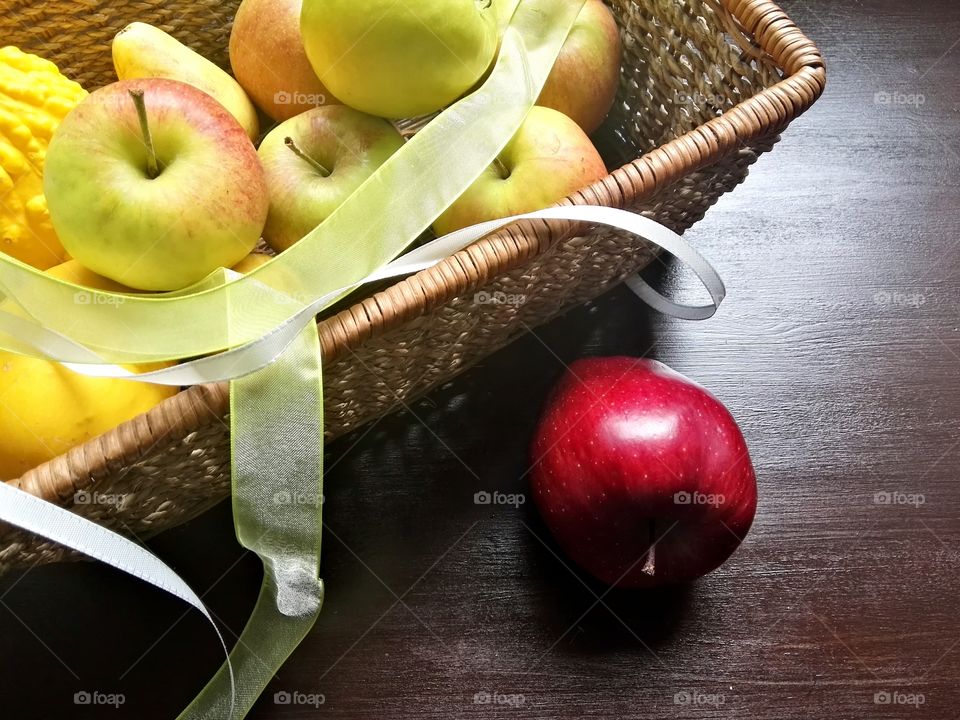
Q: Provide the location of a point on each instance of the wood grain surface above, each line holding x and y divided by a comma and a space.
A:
838, 350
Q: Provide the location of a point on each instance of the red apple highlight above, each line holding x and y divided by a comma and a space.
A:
642, 476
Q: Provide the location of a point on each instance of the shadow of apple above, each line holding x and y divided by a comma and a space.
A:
595, 617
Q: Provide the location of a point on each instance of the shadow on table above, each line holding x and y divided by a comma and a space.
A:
601, 619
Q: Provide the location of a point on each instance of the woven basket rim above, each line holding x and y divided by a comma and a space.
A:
768, 111
765, 113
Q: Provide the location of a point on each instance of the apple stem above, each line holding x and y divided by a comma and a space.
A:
153, 167
501, 167
649, 567
290, 143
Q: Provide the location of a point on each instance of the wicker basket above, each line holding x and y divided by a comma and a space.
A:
706, 86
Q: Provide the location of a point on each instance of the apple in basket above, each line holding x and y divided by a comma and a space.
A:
153, 184
314, 161
549, 158
642, 476
399, 59
583, 82
268, 59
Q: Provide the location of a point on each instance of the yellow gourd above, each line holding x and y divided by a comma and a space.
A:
46, 409
34, 98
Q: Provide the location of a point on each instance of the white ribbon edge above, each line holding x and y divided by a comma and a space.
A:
26, 511
249, 358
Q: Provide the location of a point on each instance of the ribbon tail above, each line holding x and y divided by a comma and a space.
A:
66, 528
276, 417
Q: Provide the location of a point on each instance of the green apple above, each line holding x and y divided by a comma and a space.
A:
269, 62
153, 184
314, 161
396, 58
583, 82
549, 158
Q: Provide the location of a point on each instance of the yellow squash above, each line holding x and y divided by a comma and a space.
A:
46, 409
34, 98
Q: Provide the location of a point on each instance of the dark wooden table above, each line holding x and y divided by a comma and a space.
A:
838, 350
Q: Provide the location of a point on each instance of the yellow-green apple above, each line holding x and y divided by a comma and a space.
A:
583, 82
153, 184
399, 59
144, 51
642, 476
268, 59
549, 158
314, 161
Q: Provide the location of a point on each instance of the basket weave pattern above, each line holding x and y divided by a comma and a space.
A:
706, 87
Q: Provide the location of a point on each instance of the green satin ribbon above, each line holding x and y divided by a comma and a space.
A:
276, 421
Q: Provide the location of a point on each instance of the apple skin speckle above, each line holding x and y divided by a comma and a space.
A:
631, 453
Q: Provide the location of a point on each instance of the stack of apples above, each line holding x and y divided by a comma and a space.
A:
155, 181
158, 179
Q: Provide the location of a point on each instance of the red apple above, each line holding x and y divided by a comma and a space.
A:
269, 62
642, 476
